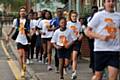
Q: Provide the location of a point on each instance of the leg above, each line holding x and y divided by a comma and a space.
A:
74, 64
97, 75
37, 52
61, 66
49, 52
74, 60
41, 52
24, 59
56, 59
91, 46
24, 56
32, 51
44, 44
28, 53
20, 57
113, 73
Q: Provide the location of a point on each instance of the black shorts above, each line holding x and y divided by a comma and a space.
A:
77, 46
106, 58
21, 46
44, 40
64, 53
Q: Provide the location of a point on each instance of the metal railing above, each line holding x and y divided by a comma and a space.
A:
4, 21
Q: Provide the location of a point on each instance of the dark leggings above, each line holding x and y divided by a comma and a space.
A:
56, 59
61, 66
39, 50
28, 52
91, 45
33, 40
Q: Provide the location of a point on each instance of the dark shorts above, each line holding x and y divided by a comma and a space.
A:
106, 58
77, 46
64, 53
44, 40
21, 46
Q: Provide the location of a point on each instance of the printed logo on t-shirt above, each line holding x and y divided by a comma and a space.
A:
63, 40
110, 28
47, 24
75, 30
21, 28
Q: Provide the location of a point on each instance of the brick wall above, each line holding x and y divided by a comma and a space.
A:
85, 51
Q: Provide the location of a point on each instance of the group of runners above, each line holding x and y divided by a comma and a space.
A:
40, 34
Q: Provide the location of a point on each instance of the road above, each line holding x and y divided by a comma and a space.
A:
9, 66
5, 70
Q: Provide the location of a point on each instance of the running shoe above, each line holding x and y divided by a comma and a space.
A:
49, 68
74, 76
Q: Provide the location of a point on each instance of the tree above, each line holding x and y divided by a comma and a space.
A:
15, 4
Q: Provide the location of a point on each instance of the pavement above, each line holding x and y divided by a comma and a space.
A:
38, 71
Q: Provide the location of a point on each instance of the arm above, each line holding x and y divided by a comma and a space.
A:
73, 37
89, 32
11, 31
80, 37
56, 46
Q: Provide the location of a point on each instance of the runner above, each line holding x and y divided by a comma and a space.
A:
77, 29
33, 35
30, 17
39, 48
37, 38
105, 29
47, 33
55, 23
62, 39
22, 26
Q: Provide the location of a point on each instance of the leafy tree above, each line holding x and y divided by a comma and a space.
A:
15, 4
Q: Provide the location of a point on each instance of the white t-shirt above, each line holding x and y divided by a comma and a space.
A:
21, 38
44, 25
33, 23
75, 27
63, 37
106, 23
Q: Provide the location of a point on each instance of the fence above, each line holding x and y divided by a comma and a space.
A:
4, 21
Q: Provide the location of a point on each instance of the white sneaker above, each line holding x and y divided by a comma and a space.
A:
74, 76
31, 61
49, 68
57, 70
65, 71
40, 61
27, 61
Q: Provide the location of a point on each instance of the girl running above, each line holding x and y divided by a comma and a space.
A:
62, 39
22, 26
30, 17
77, 29
46, 35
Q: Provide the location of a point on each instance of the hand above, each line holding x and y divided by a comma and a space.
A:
58, 47
112, 36
80, 38
7, 39
50, 29
67, 45
105, 38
